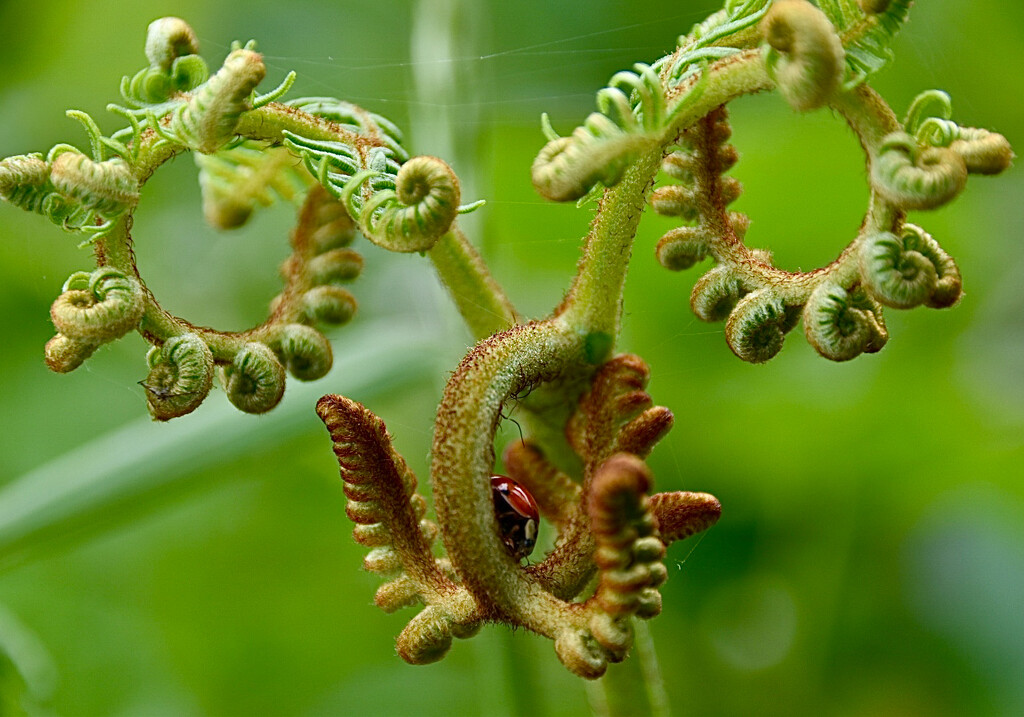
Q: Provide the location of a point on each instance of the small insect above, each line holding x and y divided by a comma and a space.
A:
162, 393
517, 514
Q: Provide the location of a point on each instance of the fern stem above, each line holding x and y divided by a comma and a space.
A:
478, 297
594, 303
651, 670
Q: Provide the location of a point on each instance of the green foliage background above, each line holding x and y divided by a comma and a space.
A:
870, 558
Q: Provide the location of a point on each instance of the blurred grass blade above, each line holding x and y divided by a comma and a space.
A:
110, 477
28, 655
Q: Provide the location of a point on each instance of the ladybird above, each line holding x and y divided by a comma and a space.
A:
517, 514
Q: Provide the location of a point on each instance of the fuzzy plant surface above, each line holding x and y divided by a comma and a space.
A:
659, 140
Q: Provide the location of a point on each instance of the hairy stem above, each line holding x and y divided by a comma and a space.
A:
463, 460
270, 121
871, 119
478, 297
594, 303
729, 78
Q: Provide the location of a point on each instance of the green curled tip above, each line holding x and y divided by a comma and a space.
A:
682, 247
276, 93
208, 121
841, 325
304, 351
180, 376
167, 39
254, 381
25, 181
716, 293
336, 265
915, 177
64, 354
982, 151
418, 212
109, 188
107, 308
546, 128
329, 305
909, 270
756, 329
806, 58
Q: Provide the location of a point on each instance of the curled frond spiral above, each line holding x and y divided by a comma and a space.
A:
167, 39
107, 188
209, 119
246, 148
303, 350
633, 114
180, 376
400, 204
920, 163
254, 380
98, 307
288, 340
415, 214
915, 177
909, 270
93, 309
806, 57
363, 142
841, 324
607, 526
757, 326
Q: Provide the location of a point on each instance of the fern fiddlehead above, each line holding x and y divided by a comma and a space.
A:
352, 171
823, 56
815, 56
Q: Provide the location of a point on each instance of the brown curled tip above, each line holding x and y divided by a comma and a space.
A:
380, 487
617, 496
640, 435
681, 514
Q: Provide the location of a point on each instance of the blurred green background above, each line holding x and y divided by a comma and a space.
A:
870, 557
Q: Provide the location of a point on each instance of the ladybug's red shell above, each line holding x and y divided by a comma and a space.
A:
517, 514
